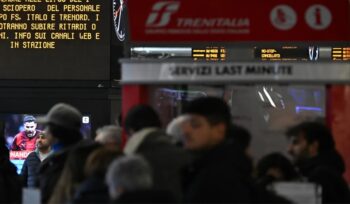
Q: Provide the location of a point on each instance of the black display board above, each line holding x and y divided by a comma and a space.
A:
55, 39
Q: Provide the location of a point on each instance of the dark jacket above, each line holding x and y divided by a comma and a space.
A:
92, 190
10, 184
327, 170
50, 171
30, 169
220, 175
166, 161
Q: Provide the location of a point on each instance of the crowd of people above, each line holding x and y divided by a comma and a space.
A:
202, 157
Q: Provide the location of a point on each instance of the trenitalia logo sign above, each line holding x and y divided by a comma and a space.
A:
161, 13
228, 20
161, 16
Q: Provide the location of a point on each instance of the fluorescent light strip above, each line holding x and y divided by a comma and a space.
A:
269, 98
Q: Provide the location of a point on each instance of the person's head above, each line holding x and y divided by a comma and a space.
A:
128, 173
209, 120
110, 136
99, 160
63, 123
42, 143
140, 117
276, 166
29, 124
309, 139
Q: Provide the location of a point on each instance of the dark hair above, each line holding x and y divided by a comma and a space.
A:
276, 160
64, 135
314, 132
29, 118
215, 110
141, 116
239, 136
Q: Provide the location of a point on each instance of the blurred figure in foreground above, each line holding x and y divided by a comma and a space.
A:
143, 127
93, 189
72, 174
221, 172
129, 180
10, 183
313, 150
63, 123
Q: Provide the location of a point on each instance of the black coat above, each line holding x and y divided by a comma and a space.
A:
220, 175
10, 184
327, 171
30, 169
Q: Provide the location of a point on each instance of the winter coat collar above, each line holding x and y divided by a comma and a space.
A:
224, 153
136, 139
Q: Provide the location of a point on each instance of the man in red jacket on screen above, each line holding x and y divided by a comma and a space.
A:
26, 139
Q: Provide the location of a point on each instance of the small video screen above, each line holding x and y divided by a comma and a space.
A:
21, 132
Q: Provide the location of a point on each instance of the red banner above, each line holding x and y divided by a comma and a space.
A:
229, 20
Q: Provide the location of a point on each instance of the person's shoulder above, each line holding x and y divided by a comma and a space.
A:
323, 173
33, 153
19, 134
53, 162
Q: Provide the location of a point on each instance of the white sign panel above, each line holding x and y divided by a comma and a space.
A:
173, 72
299, 193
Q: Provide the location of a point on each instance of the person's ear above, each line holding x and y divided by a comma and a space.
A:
220, 130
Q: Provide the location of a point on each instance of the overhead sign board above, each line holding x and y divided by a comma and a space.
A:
139, 72
227, 20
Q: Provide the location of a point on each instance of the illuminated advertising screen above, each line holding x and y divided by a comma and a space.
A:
21, 132
46, 39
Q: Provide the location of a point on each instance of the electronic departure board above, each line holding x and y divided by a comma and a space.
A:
209, 54
55, 39
341, 53
302, 53
285, 53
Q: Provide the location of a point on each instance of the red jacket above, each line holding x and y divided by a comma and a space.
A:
23, 142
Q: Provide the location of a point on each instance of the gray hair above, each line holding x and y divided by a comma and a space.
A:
128, 173
109, 134
175, 130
